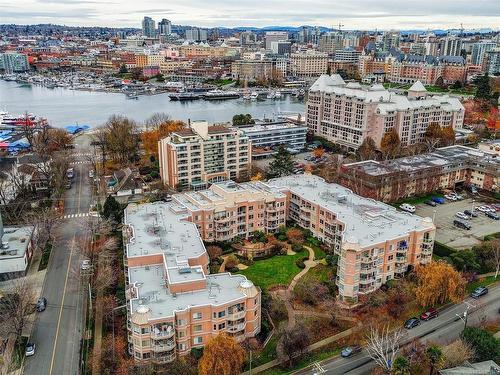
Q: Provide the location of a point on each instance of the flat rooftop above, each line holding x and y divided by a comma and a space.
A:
366, 221
151, 291
439, 158
16, 240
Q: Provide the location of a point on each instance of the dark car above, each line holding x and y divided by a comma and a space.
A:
479, 292
461, 224
41, 304
429, 314
412, 322
350, 350
438, 200
470, 213
492, 215
431, 203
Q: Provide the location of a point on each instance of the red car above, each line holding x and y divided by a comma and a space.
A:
429, 314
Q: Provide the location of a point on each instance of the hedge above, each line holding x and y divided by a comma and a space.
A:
442, 250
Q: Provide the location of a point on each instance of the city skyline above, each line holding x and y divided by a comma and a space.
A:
360, 14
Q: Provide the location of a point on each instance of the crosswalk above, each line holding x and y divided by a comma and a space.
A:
72, 216
80, 155
79, 162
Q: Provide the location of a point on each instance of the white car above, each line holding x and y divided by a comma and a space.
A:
458, 196
30, 349
407, 207
451, 197
481, 208
85, 265
461, 215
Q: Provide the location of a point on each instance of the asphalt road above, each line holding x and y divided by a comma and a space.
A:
443, 329
58, 330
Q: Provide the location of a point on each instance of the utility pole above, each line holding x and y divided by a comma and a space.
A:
465, 313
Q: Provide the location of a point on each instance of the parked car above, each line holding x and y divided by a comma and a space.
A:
350, 350
429, 314
458, 196
438, 200
451, 197
68, 184
492, 215
41, 304
407, 207
70, 173
431, 203
479, 292
461, 215
412, 322
482, 209
462, 224
91, 173
85, 265
30, 349
470, 213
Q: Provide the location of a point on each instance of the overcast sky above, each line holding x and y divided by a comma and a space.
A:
353, 14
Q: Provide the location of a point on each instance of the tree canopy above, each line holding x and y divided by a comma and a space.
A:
222, 355
438, 282
483, 87
390, 144
485, 345
243, 119
282, 165
367, 150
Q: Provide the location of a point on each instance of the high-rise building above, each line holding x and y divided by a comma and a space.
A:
165, 27
450, 46
479, 50
330, 42
390, 40
148, 27
196, 35
11, 62
346, 114
493, 61
281, 47
275, 36
248, 38
202, 154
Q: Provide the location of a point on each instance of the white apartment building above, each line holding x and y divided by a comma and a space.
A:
347, 113
197, 156
308, 64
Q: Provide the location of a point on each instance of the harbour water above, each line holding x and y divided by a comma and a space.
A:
65, 107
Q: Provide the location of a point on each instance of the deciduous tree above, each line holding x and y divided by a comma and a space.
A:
293, 342
214, 251
383, 345
390, 144
16, 304
448, 136
295, 235
367, 150
158, 126
456, 353
318, 152
438, 282
222, 355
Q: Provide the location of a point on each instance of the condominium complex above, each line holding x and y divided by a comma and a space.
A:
173, 304
251, 70
201, 154
265, 136
374, 241
308, 64
444, 168
11, 62
348, 113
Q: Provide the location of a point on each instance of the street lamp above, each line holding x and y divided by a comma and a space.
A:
473, 200
465, 314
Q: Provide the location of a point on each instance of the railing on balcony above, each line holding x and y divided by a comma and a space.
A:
236, 315
401, 259
163, 358
236, 327
164, 347
162, 334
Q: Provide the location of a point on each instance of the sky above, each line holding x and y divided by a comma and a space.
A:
353, 14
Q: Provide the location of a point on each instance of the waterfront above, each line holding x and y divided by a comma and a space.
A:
63, 107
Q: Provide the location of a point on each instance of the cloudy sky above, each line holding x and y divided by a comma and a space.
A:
353, 14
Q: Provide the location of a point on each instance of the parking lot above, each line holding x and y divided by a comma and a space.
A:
450, 235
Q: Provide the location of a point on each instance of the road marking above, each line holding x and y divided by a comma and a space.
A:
62, 304
80, 189
79, 162
73, 216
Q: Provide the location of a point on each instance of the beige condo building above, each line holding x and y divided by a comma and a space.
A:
193, 158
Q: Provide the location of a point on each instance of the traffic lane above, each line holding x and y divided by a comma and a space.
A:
431, 328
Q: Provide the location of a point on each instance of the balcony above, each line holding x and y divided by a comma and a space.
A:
401, 269
222, 219
166, 347
162, 334
401, 259
163, 358
236, 315
236, 327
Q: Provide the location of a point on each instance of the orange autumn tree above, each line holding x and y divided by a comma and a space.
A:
222, 355
318, 152
158, 126
438, 282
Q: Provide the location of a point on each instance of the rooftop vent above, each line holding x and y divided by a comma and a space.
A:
184, 270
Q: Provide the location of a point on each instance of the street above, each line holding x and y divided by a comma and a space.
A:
442, 330
58, 330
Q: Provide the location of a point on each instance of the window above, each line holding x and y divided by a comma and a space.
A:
197, 316
198, 340
144, 330
146, 355
146, 342
222, 325
222, 313
197, 328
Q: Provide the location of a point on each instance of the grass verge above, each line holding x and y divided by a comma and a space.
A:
44, 262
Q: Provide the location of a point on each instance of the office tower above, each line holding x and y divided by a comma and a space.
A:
275, 36
165, 27
148, 27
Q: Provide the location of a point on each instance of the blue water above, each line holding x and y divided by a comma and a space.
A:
63, 107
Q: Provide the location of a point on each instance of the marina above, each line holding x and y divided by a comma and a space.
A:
62, 106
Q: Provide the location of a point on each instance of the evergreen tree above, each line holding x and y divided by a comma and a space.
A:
282, 165
123, 69
112, 209
483, 87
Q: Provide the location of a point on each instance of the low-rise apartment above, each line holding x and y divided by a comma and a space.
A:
194, 157
308, 64
173, 304
445, 168
347, 113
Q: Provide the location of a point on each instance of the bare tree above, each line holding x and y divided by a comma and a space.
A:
457, 353
293, 342
155, 121
100, 138
122, 139
45, 221
495, 255
383, 345
16, 305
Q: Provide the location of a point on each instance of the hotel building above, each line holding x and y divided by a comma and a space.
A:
346, 114
173, 304
194, 157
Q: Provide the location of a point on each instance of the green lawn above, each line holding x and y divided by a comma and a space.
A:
417, 200
319, 253
278, 270
482, 282
319, 274
267, 354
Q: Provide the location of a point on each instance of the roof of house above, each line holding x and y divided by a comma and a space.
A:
418, 87
479, 368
